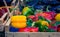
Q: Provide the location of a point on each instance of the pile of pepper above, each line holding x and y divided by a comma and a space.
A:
32, 20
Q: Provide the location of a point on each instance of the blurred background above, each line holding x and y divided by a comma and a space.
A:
7, 1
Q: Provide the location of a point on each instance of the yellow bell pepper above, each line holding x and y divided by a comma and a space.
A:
45, 23
18, 21
57, 17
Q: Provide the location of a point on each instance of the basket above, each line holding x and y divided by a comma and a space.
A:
3, 21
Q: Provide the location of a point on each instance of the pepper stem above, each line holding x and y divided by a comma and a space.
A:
47, 9
33, 24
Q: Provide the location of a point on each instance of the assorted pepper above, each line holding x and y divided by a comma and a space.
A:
35, 20
38, 22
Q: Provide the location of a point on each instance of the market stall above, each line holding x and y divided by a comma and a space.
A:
33, 19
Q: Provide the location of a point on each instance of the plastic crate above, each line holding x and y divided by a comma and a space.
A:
33, 34
29, 34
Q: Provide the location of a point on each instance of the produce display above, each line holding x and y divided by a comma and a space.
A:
34, 16
33, 20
